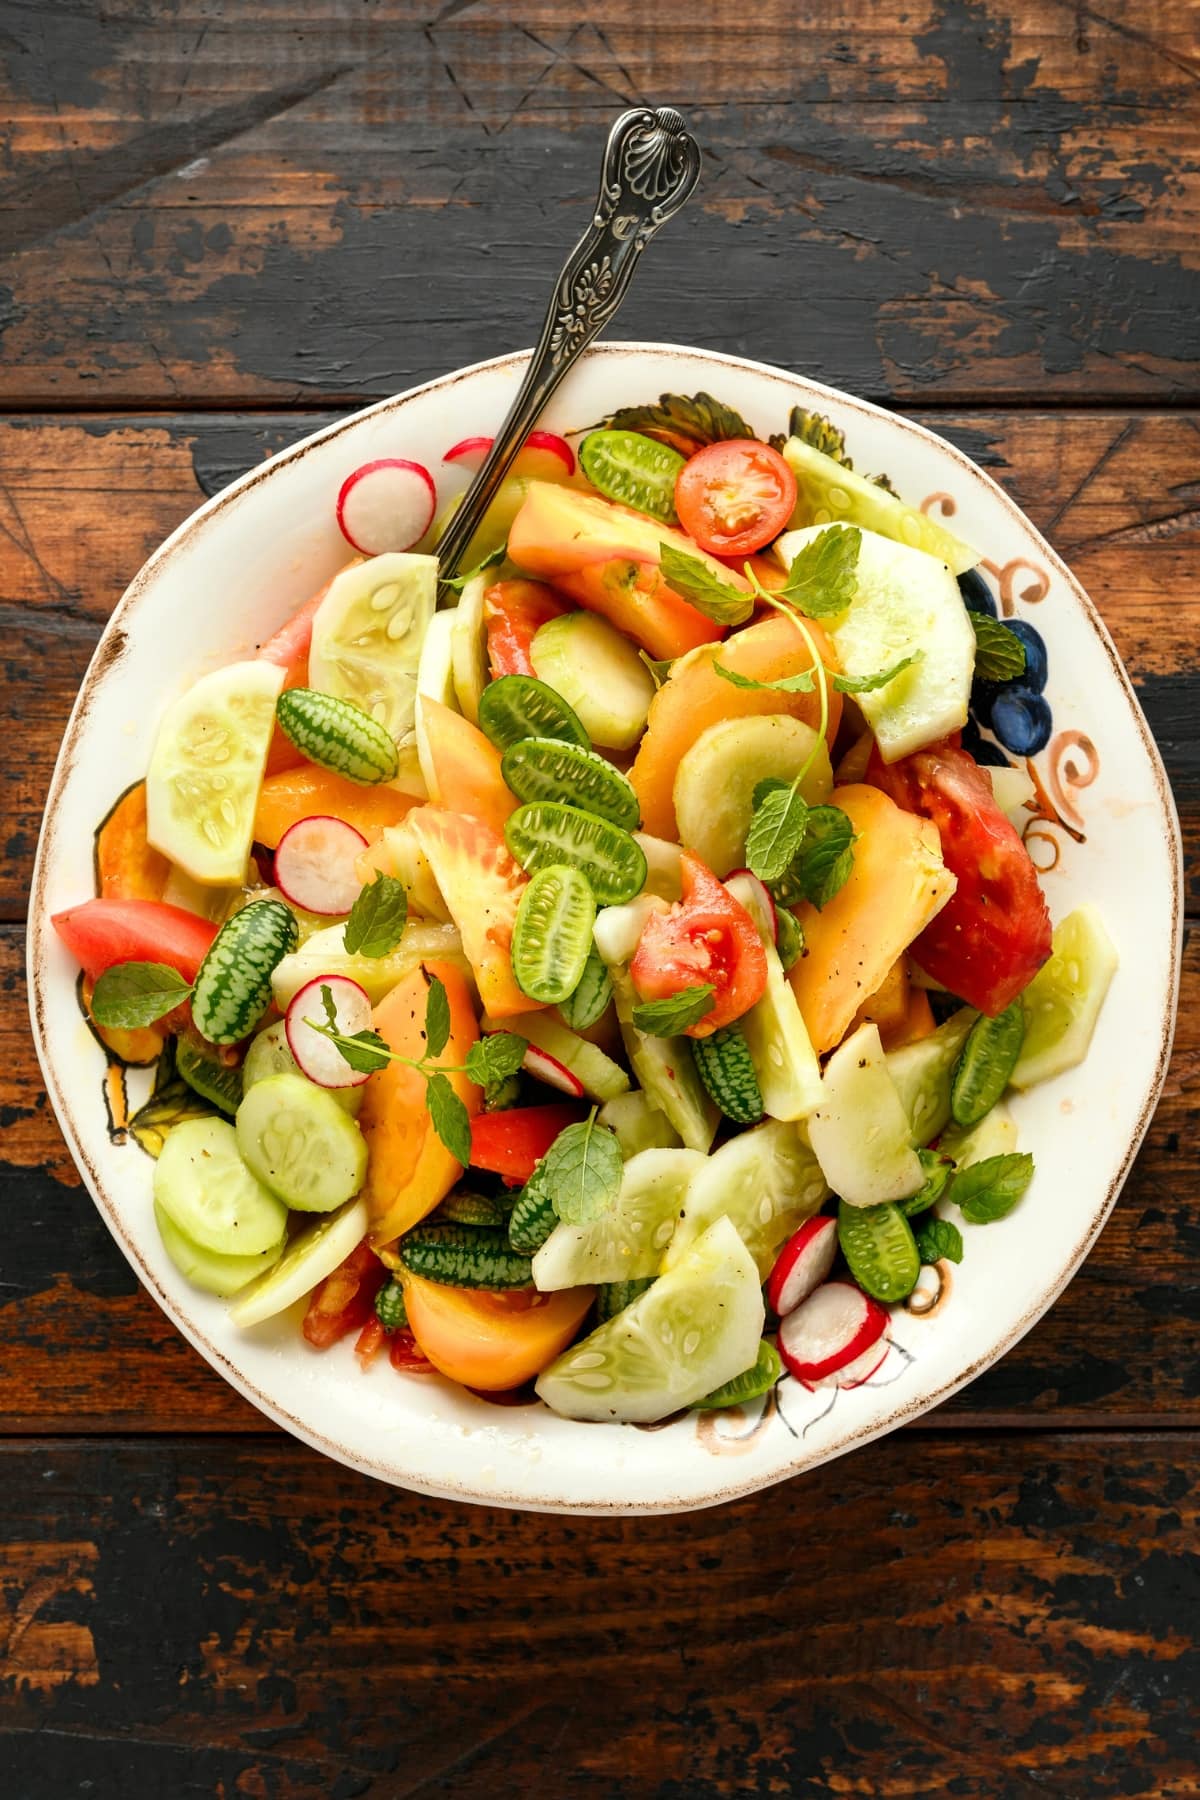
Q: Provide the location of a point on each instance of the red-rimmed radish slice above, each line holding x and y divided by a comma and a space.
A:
386, 505
315, 1056
763, 896
314, 865
860, 1371
802, 1264
549, 444
829, 1330
548, 1069
469, 453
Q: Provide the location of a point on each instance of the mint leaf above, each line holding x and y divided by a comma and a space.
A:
826, 856
328, 1005
659, 670
581, 1171
377, 918
938, 1170
449, 1117
787, 684
939, 1238
437, 1019
999, 652
776, 832
822, 577
133, 994
459, 582
695, 582
674, 1013
494, 1058
988, 1190
366, 1052
867, 684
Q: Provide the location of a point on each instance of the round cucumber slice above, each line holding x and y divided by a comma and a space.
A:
547, 833
547, 769
300, 1144
311, 1255
988, 1058
518, 706
594, 667
1063, 1001
209, 1194
695, 1328
270, 1054
367, 637
552, 933
717, 776
206, 768
634, 470
224, 1275
878, 1244
627, 1241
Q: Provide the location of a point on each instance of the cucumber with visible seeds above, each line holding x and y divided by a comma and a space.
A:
208, 1193
878, 1244
988, 1059
300, 1144
233, 987
548, 833
336, 734
547, 769
519, 706
552, 933
461, 1257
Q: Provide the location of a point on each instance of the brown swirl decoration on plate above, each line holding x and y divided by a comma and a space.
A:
1073, 762
734, 1443
1006, 578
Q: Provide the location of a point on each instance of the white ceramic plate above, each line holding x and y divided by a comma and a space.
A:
237, 568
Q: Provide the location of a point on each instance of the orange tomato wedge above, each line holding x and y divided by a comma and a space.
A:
492, 1341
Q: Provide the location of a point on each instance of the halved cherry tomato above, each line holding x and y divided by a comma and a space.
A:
513, 1143
993, 934
515, 612
706, 937
102, 933
370, 1341
492, 1341
405, 1354
345, 1300
733, 498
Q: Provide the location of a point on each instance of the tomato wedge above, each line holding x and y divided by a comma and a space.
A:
345, 1300
708, 937
993, 934
514, 612
102, 933
492, 1342
513, 1143
733, 498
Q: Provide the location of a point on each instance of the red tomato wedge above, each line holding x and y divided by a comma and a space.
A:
513, 1143
993, 934
345, 1300
734, 497
706, 937
101, 933
515, 612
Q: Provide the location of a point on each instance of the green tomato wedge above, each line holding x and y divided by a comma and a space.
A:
627, 1241
634, 470
878, 1244
367, 637
599, 672
695, 1328
828, 493
207, 1269
270, 1054
206, 768
547, 833
548, 769
520, 706
1063, 1001
300, 1144
988, 1059
766, 1180
208, 1193
552, 933
311, 1255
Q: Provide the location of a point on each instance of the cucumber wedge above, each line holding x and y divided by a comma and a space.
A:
766, 1181
639, 1124
599, 673
665, 1069
860, 1131
468, 647
435, 681
1063, 1001
628, 1241
367, 637
789, 1075
325, 953
310, 1256
924, 1072
828, 493
602, 1078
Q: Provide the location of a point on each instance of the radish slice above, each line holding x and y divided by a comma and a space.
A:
803, 1264
314, 865
550, 443
544, 1067
862, 1368
386, 505
469, 453
829, 1330
315, 1056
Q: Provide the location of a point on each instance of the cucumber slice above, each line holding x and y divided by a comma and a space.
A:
633, 470
602, 1078
337, 735
216, 1274
725, 1066
300, 1143
664, 873
325, 953
1063, 1001
546, 833
468, 647
828, 493
716, 779
548, 769
666, 1070
1013, 790
906, 603
311, 1255
922, 1073
789, 1075
878, 1244
996, 1135
766, 1180
591, 996
367, 637
627, 1241
518, 706
552, 934
206, 768
271, 1054
596, 668
695, 1328
860, 1131
233, 986
435, 681
207, 1076
639, 1124
983, 1070
209, 1194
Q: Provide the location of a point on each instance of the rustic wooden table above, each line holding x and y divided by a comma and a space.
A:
225, 223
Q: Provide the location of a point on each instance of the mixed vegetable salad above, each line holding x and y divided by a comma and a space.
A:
612, 979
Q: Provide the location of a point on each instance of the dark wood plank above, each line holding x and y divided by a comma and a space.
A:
1007, 1618
288, 201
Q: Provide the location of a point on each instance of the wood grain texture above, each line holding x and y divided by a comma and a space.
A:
308, 202
992, 1620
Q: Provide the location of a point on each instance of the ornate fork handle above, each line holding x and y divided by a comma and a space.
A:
651, 165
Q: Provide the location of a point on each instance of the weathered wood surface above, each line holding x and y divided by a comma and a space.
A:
991, 1619
291, 201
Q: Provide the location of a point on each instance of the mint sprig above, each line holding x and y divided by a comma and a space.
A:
692, 579
581, 1171
133, 994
